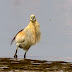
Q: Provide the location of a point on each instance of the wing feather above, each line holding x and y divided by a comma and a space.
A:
15, 36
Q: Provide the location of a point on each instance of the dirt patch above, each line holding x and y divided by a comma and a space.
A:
28, 65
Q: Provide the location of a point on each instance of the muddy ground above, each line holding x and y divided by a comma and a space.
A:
28, 65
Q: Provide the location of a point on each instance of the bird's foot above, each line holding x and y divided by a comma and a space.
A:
25, 55
15, 56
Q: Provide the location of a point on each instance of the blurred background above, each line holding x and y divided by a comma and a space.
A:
55, 19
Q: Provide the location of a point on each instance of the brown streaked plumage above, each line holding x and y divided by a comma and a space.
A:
27, 37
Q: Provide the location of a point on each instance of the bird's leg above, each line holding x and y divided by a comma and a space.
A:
15, 56
25, 55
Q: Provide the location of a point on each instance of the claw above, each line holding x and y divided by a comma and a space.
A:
25, 55
15, 56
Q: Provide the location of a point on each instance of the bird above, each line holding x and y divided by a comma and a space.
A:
28, 36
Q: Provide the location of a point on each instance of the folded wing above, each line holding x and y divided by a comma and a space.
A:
15, 36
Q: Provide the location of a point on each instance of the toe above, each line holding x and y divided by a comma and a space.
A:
15, 56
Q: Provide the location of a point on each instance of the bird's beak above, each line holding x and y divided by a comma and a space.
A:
32, 18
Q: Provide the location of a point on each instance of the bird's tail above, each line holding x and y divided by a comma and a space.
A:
12, 40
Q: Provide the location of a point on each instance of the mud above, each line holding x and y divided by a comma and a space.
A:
28, 65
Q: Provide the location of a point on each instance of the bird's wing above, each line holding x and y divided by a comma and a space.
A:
15, 36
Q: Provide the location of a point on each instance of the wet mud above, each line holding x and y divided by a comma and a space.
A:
29, 65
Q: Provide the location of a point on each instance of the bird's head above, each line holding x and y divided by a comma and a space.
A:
32, 18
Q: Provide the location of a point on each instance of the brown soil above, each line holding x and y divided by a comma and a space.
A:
28, 65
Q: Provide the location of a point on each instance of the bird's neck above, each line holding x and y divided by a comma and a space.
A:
33, 23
